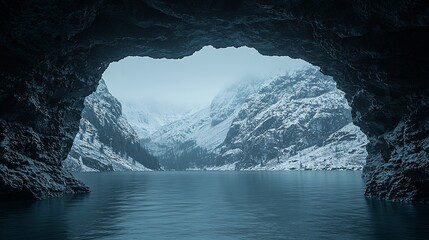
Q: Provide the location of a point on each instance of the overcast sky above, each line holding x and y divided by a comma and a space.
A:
193, 80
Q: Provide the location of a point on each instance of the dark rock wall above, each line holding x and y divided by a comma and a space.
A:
52, 53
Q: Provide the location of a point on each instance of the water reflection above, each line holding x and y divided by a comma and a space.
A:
398, 220
297, 205
29, 219
216, 205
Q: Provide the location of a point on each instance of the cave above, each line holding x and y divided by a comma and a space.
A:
54, 52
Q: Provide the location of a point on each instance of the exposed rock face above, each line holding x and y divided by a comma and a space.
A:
106, 141
53, 53
297, 120
294, 121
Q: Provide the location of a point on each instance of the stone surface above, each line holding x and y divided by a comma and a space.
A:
296, 121
106, 141
52, 54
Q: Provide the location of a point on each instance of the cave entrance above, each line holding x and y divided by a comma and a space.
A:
218, 109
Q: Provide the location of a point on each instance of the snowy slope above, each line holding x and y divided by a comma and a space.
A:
292, 116
226, 103
90, 154
146, 117
105, 141
194, 127
296, 121
201, 132
343, 150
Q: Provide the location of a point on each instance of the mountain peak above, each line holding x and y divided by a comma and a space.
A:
102, 86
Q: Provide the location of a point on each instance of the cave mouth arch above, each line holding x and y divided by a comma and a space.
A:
53, 55
201, 105
145, 77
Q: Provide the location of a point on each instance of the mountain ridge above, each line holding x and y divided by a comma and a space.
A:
265, 122
106, 141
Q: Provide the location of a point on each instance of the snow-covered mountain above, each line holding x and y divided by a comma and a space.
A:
192, 140
106, 141
296, 121
289, 117
147, 117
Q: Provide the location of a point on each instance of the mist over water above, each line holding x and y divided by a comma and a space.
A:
216, 205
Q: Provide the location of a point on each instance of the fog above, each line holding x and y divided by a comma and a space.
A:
193, 80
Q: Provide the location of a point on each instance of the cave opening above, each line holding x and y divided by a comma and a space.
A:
53, 54
376, 53
218, 109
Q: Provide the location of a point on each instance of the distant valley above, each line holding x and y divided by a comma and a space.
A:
296, 121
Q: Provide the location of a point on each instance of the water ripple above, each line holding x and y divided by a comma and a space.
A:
216, 205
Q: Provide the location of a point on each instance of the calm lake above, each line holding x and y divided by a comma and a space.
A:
216, 205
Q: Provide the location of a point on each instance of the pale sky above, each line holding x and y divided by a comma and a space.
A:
193, 80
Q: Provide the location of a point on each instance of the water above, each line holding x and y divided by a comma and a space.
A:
216, 205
